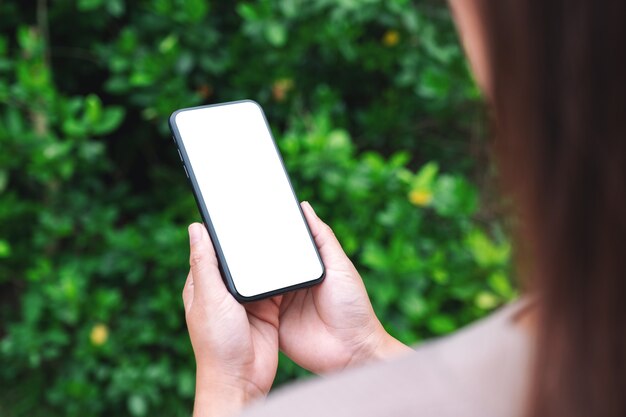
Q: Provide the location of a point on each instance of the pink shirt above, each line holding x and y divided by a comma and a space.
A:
482, 371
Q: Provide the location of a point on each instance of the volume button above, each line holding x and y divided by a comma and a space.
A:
185, 168
179, 155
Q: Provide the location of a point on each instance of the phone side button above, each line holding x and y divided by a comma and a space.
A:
179, 155
185, 168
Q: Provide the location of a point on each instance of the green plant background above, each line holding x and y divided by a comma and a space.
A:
380, 127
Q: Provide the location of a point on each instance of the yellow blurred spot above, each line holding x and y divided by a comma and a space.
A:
391, 38
486, 301
281, 87
99, 334
420, 198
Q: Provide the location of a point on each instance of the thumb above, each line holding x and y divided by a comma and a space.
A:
207, 281
329, 247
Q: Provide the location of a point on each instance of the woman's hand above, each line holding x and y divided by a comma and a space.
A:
332, 325
236, 346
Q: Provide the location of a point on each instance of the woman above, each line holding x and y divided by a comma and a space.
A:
552, 72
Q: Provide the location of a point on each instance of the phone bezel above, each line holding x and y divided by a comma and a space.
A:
206, 218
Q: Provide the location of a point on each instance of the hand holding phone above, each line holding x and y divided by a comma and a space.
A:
262, 246
323, 328
235, 345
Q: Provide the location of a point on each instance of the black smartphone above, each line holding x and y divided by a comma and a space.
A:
261, 238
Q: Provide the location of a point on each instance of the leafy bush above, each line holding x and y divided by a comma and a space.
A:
372, 108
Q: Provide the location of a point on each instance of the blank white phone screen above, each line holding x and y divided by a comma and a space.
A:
251, 205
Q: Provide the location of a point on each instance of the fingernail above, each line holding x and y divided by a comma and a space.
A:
311, 208
195, 233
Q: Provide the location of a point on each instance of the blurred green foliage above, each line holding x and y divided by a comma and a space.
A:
378, 122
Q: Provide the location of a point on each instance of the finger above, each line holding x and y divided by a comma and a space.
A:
266, 311
207, 281
329, 247
188, 292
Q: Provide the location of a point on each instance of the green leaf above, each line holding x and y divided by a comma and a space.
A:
414, 306
425, 177
196, 10
168, 44
374, 256
454, 196
434, 83
484, 251
441, 324
339, 141
93, 109
276, 34
137, 405
247, 11
116, 7
501, 284
111, 119
87, 5
5, 249
73, 127
141, 79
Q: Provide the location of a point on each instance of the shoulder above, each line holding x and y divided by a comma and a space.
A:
479, 371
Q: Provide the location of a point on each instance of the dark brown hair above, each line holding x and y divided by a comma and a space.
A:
558, 97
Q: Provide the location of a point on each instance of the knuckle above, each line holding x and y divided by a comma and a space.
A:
196, 257
201, 258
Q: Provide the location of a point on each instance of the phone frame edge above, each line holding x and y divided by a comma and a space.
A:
222, 264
